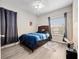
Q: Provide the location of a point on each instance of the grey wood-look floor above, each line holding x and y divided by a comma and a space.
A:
50, 50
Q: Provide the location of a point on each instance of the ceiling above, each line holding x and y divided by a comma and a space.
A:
50, 5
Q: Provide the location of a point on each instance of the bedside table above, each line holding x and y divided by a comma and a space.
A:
71, 54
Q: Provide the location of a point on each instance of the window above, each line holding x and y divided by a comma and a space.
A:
58, 26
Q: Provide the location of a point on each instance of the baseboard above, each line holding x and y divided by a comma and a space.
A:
9, 45
60, 42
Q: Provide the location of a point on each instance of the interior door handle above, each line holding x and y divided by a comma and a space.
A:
2, 35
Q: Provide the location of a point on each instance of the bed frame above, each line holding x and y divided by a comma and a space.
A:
42, 42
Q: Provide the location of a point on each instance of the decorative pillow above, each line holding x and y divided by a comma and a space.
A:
43, 30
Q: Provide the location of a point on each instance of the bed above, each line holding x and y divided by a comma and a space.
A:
35, 40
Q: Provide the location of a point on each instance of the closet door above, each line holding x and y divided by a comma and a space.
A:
11, 30
2, 26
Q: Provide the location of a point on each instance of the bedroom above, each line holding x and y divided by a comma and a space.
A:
29, 19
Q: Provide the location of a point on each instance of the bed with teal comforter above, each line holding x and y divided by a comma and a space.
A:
31, 39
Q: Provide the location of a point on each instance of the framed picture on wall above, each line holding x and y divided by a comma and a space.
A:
30, 23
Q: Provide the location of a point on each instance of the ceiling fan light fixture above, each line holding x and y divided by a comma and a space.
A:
38, 4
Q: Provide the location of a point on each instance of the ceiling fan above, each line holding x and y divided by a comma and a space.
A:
37, 4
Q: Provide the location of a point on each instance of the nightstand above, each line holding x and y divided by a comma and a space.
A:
71, 54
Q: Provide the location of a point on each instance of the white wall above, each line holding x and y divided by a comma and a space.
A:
43, 19
75, 23
23, 23
23, 19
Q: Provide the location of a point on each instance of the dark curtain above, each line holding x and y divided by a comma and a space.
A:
49, 28
3, 27
65, 34
11, 31
8, 26
0, 28
65, 16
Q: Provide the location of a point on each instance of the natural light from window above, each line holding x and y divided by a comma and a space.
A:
58, 26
